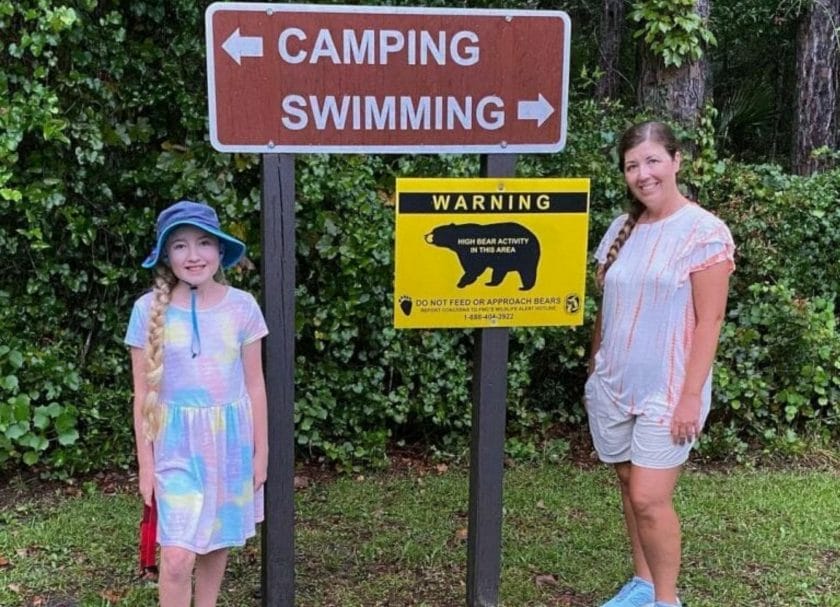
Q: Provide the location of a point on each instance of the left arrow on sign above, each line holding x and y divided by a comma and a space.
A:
538, 110
243, 46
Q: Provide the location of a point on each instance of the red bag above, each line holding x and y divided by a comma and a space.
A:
148, 540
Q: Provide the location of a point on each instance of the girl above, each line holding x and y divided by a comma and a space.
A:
199, 402
664, 268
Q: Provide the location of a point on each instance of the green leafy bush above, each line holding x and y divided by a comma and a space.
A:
786, 227
38, 401
778, 367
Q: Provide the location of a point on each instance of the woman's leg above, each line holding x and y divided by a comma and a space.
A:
175, 582
651, 493
209, 571
640, 566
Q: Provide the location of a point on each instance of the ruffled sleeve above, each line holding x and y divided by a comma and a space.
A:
709, 245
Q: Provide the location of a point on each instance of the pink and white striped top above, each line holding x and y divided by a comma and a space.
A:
647, 312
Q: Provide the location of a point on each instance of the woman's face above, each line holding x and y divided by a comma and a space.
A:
193, 254
651, 174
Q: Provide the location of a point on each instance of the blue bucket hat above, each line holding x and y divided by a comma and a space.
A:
203, 217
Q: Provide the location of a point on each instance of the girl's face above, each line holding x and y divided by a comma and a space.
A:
651, 175
193, 254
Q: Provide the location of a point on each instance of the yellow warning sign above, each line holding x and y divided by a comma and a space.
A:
490, 252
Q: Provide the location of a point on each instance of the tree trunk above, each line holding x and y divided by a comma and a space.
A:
609, 48
815, 114
675, 92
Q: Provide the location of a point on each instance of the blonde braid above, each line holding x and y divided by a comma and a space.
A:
165, 280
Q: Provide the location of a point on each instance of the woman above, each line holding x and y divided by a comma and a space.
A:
664, 268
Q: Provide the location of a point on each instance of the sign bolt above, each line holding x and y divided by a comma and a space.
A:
503, 144
508, 18
269, 11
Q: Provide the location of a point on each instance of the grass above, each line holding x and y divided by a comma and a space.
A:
758, 538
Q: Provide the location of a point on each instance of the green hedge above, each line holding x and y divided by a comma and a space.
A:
103, 123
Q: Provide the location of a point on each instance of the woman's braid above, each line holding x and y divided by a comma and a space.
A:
636, 210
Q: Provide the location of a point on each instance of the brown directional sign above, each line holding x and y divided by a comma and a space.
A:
320, 78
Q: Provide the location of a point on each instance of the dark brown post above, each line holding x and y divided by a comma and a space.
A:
278, 295
487, 448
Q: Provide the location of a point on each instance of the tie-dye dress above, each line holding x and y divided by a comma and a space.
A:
204, 452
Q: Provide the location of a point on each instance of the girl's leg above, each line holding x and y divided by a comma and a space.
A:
175, 582
209, 571
658, 528
640, 565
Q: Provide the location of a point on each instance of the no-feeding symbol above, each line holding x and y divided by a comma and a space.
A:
504, 247
490, 252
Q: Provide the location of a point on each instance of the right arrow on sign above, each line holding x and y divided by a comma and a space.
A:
538, 110
243, 46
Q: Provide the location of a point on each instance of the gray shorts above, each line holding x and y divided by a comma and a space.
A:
642, 437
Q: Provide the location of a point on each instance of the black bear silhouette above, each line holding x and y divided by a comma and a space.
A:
504, 247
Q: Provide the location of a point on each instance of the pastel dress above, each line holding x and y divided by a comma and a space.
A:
203, 454
648, 319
